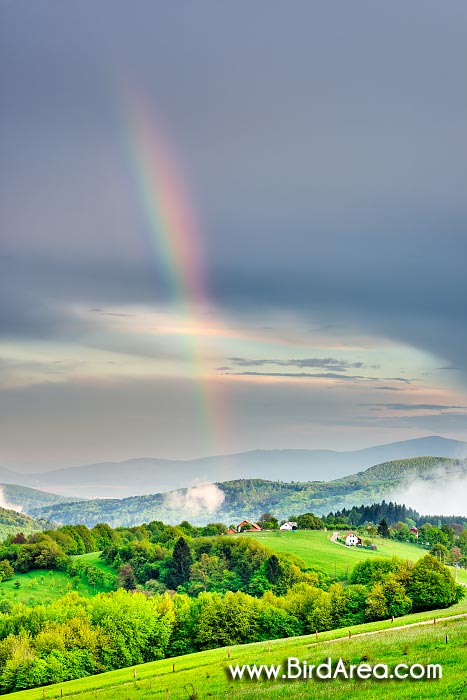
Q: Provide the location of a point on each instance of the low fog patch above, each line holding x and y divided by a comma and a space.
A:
5, 503
197, 499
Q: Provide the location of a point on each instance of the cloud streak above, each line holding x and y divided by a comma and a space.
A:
329, 363
415, 406
322, 375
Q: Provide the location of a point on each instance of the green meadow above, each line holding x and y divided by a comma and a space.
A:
205, 674
316, 549
337, 560
41, 586
93, 559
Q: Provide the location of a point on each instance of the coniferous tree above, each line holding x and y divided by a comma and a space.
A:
180, 564
383, 528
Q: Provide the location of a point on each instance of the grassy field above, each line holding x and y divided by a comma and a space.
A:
205, 675
93, 559
336, 560
316, 549
40, 587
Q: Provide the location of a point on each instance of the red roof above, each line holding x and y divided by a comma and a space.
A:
253, 526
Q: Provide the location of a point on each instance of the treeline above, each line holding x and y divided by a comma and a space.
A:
50, 549
76, 637
391, 512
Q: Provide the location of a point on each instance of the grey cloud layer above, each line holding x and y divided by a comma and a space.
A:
329, 175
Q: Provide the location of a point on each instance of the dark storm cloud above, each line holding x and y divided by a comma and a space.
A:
325, 146
38, 295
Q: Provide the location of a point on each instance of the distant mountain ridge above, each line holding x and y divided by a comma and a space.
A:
248, 498
147, 475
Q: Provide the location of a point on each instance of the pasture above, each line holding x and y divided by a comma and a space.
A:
41, 586
205, 674
336, 560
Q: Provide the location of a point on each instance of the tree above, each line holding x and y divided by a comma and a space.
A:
6, 570
126, 577
309, 521
376, 606
19, 538
456, 555
383, 529
180, 564
440, 551
207, 573
432, 585
397, 602
268, 522
273, 569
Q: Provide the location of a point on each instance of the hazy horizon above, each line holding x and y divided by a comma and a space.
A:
32, 470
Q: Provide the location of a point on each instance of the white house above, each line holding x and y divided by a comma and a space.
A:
289, 526
352, 539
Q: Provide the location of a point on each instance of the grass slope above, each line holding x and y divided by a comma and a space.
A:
204, 675
336, 560
94, 559
316, 549
40, 587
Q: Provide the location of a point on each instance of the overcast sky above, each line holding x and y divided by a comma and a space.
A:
322, 149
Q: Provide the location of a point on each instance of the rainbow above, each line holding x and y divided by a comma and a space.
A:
176, 244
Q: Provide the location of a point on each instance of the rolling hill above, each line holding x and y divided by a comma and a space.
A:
19, 498
231, 501
150, 475
12, 522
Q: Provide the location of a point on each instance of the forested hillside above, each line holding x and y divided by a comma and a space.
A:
27, 499
245, 498
12, 522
